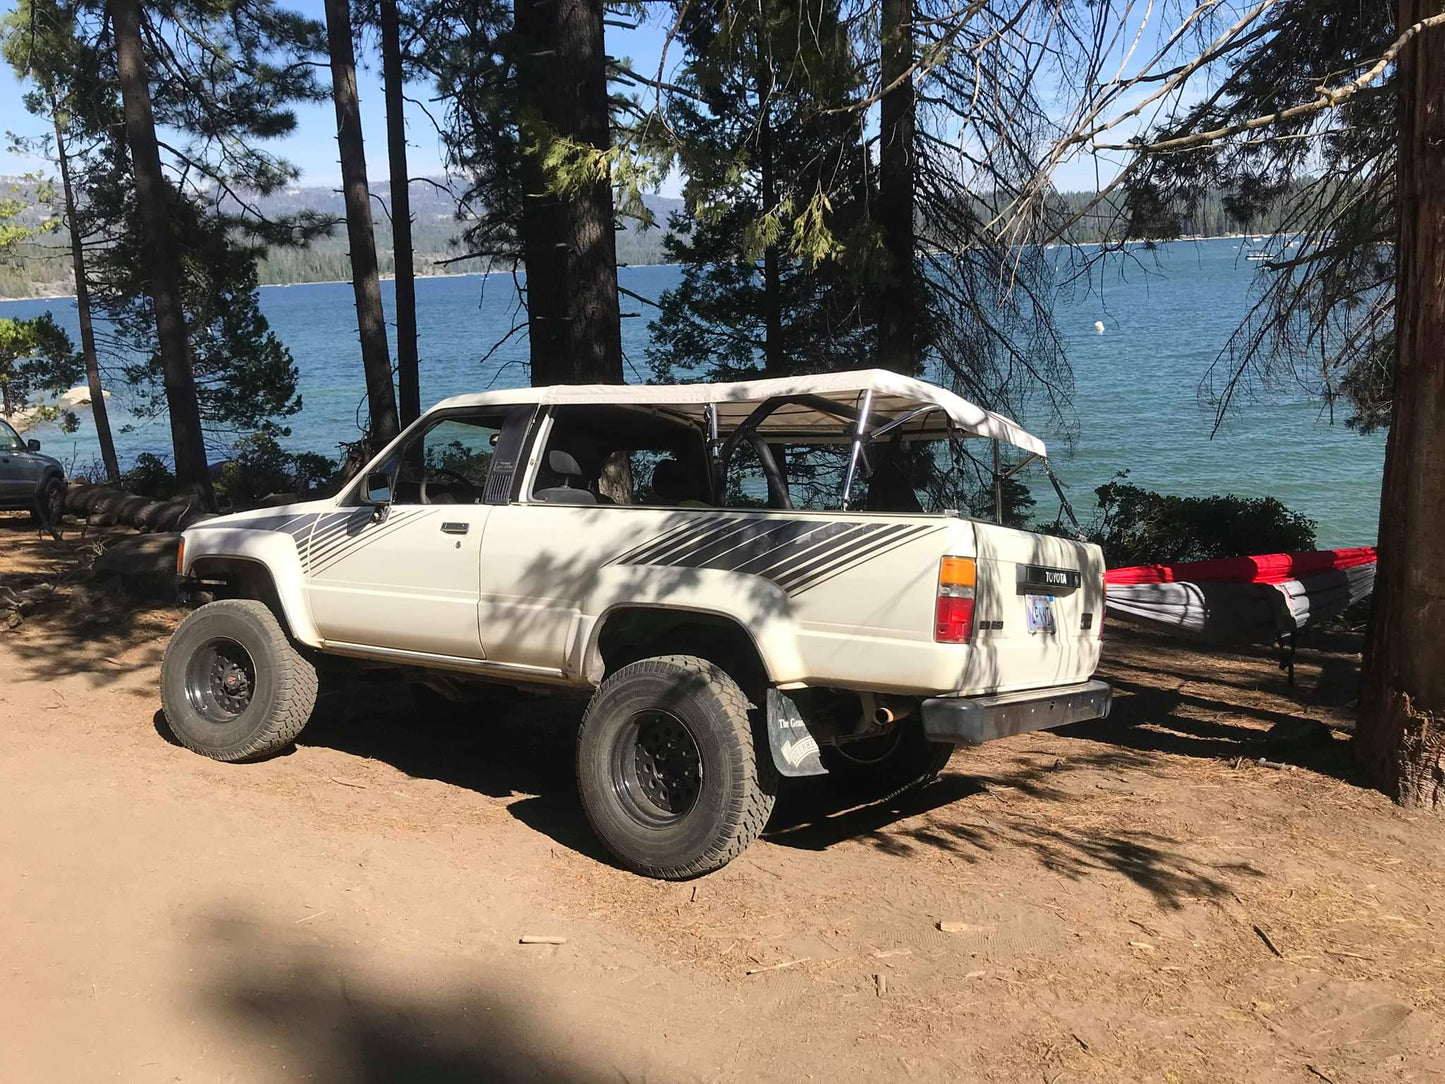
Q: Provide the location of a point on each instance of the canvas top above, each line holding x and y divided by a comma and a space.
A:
930, 411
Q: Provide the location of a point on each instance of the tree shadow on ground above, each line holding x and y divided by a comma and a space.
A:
328, 1017
74, 622
515, 746
817, 816
504, 744
1149, 719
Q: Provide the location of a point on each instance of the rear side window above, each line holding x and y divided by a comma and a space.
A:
618, 455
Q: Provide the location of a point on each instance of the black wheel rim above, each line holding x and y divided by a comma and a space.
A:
657, 768
220, 680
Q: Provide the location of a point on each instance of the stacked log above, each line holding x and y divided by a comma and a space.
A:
107, 506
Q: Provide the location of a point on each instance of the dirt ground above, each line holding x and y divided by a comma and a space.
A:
1139, 899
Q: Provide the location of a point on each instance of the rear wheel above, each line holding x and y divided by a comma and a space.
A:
233, 685
667, 771
874, 768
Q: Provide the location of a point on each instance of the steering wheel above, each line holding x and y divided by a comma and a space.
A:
432, 473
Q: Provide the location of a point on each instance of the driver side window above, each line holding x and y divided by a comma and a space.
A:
449, 463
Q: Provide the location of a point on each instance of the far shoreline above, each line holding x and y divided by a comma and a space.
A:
636, 266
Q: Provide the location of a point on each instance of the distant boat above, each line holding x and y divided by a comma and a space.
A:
1259, 256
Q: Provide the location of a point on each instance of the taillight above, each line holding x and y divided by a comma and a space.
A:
953, 613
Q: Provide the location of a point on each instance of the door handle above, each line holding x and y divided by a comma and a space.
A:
456, 528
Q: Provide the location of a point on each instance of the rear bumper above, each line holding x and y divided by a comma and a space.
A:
976, 719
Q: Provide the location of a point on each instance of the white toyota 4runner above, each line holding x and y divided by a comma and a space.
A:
741, 575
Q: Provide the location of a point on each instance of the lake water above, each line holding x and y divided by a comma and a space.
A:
1136, 385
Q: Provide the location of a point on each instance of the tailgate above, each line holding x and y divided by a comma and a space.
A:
1040, 602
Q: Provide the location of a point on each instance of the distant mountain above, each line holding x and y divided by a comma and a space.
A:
44, 268
436, 233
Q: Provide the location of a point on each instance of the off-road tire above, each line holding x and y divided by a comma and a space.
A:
49, 503
877, 767
283, 684
736, 789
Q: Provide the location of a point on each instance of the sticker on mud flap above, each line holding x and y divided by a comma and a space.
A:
794, 749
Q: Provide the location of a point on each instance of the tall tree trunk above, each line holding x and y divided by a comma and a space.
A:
98, 410
408, 378
568, 242
898, 305
153, 204
1401, 734
365, 281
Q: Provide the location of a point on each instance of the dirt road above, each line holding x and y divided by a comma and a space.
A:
1131, 900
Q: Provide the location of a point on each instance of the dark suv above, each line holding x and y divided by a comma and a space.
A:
29, 481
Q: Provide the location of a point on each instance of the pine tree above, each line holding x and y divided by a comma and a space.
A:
408, 378
1401, 734
365, 276
776, 175
206, 84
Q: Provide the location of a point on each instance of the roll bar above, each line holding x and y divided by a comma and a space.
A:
721, 449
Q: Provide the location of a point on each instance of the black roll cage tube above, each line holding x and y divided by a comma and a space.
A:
748, 431
723, 450
864, 430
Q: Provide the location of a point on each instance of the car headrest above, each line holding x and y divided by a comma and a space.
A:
564, 463
670, 481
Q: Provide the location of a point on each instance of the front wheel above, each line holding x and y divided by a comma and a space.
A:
667, 770
49, 503
233, 685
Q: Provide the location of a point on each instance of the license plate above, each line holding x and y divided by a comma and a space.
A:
1039, 613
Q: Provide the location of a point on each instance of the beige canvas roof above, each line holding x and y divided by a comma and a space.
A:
894, 397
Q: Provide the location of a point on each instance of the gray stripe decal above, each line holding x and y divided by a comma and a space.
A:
836, 563
640, 554
327, 540
394, 523
875, 551
787, 558
842, 548
337, 547
667, 554
696, 553
785, 545
797, 555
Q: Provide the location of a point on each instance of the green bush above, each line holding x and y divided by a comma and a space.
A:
150, 477
259, 467
1136, 526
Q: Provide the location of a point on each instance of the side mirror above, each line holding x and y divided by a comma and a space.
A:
377, 489
33, 445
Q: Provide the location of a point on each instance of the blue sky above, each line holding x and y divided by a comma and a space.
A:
312, 147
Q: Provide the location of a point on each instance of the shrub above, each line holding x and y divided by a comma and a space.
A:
1136, 526
150, 477
259, 466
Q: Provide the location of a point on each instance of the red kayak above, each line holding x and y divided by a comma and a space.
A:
1244, 599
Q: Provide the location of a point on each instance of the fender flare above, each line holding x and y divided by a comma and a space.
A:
275, 553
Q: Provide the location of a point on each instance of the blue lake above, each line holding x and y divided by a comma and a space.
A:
1166, 313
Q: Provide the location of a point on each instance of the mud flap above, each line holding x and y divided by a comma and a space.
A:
794, 749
